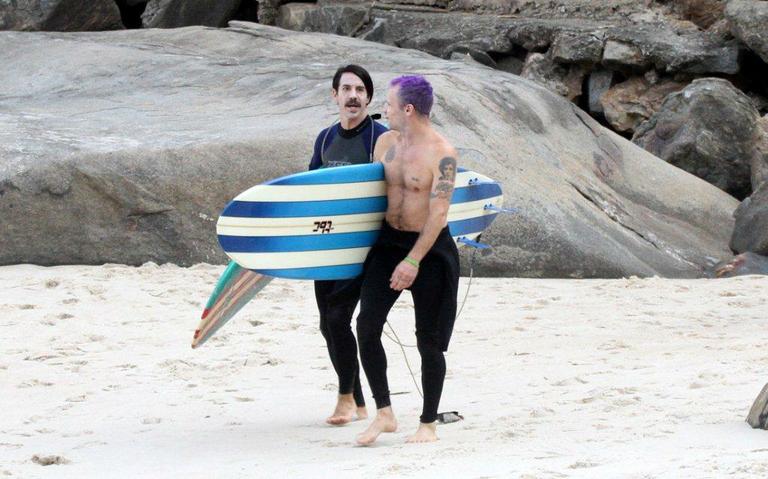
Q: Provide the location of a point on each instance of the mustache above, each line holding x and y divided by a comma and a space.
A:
353, 103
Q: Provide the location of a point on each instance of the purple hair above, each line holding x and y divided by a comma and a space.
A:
415, 90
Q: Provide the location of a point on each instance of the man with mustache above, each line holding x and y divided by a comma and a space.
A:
350, 141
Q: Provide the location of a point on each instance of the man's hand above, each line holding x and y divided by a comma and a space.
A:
403, 276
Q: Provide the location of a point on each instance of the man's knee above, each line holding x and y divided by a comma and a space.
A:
428, 344
338, 321
368, 329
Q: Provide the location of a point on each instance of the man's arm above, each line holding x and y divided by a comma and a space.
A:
316, 161
439, 202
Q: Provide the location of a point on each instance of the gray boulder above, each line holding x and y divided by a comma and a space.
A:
59, 15
183, 13
748, 21
703, 13
758, 413
741, 265
565, 80
751, 230
632, 102
759, 167
598, 83
293, 16
709, 129
94, 171
337, 19
572, 39
571, 47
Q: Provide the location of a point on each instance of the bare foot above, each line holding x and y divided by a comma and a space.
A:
425, 433
383, 422
346, 411
362, 413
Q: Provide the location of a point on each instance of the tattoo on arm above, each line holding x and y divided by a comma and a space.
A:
443, 190
444, 187
448, 168
390, 154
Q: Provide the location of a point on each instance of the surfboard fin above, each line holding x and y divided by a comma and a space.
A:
502, 210
473, 244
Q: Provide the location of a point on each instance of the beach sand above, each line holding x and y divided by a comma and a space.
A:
635, 378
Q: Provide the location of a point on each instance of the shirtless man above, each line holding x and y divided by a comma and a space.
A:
415, 251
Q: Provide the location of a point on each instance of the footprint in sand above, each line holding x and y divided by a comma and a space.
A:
151, 420
582, 465
51, 283
49, 460
26, 306
70, 301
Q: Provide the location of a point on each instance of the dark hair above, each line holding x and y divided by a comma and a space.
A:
415, 90
360, 72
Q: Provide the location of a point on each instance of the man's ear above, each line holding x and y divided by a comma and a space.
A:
334, 93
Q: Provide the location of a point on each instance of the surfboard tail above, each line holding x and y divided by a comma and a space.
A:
236, 287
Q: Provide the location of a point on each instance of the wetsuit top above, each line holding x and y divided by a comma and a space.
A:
336, 146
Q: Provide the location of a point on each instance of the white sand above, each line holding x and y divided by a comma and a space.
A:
556, 378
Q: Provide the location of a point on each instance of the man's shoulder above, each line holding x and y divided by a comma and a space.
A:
389, 136
328, 132
442, 148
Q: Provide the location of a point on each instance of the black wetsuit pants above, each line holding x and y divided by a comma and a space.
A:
336, 326
376, 299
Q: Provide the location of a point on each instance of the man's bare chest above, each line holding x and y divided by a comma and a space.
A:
408, 169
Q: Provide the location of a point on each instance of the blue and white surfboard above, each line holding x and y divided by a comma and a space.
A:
321, 224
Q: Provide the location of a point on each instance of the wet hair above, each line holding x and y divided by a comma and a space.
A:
360, 72
415, 90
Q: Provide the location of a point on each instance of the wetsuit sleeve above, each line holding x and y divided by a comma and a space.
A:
378, 130
316, 161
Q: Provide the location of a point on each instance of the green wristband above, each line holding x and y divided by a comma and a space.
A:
411, 261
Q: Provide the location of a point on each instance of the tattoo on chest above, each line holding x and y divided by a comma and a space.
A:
390, 154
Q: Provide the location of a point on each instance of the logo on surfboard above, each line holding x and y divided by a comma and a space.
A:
323, 226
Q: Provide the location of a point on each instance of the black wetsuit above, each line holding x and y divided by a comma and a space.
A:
336, 300
434, 294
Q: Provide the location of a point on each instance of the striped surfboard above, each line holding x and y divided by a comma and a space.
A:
235, 288
321, 224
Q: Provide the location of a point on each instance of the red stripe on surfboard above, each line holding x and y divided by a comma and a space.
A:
237, 291
235, 297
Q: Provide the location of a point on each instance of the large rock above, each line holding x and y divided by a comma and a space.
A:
748, 21
573, 39
632, 102
741, 265
182, 13
751, 230
709, 129
337, 19
131, 158
758, 413
759, 167
59, 15
703, 13
565, 80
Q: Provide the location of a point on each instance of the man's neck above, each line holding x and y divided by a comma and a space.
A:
348, 124
415, 131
